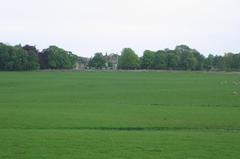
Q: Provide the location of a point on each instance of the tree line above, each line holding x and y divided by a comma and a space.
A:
17, 58
181, 58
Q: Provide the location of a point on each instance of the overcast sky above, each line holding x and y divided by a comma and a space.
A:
89, 26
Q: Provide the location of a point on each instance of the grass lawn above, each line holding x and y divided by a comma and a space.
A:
108, 115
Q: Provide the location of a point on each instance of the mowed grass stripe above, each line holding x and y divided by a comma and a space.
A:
134, 129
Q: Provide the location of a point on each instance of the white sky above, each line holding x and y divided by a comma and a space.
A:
89, 26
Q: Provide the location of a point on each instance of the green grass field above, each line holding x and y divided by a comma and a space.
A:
118, 115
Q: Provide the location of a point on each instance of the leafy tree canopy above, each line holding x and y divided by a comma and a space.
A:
128, 59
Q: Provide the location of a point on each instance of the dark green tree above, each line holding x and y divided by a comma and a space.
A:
98, 61
128, 60
160, 60
188, 59
218, 63
15, 58
58, 58
33, 61
172, 59
208, 63
147, 59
